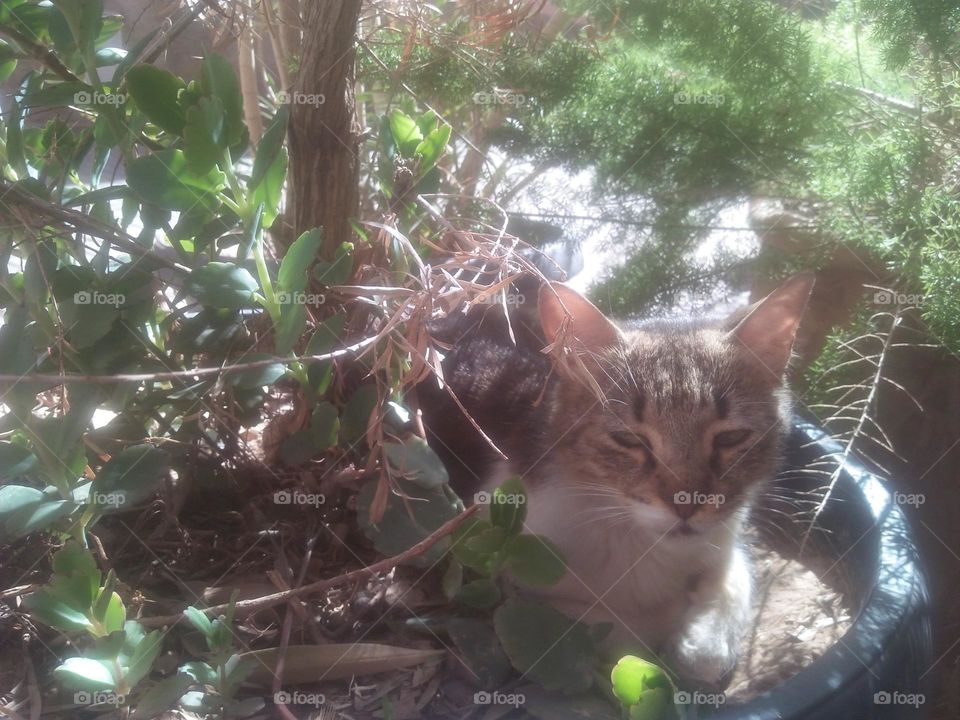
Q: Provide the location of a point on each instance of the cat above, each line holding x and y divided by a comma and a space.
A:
644, 486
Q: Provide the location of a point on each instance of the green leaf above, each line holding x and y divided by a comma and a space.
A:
219, 80
199, 672
293, 322
270, 190
56, 613
24, 510
162, 696
73, 558
108, 647
427, 122
406, 134
165, 179
199, 620
414, 460
202, 135
8, 60
480, 650
144, 654
297, 448
269, 147
58, 94
39, 269
482, 593
89, 316
432, 147
486, 541
340, 270
133, 55
324, 340
112, 192
324, 426
14, 126
15, 461
545, 645
257, 377
130, 477
91, 21
115, 614
155, 92
291, 283
222, 285
632, 677
654, 704
292, 276
508, 506
63, 434
408, 520
32, 20
462, 549
534, 560
85, 674
356, 414
452, 579
103, 600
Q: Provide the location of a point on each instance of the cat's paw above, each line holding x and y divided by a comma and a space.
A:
701, 656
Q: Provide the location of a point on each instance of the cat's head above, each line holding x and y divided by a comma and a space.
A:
695, 410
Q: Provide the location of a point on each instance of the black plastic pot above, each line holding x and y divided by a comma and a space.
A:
877, 670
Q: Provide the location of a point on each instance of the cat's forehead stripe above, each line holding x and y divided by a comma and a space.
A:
722, 405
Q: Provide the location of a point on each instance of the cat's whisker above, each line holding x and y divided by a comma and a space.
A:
611, 520
600, 510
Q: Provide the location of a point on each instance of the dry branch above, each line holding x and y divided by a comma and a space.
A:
246, 607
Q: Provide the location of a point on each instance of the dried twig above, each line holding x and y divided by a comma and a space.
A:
190, 373
14, 196
40, 53
247, 607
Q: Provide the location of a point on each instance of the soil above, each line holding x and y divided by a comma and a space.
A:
797, 615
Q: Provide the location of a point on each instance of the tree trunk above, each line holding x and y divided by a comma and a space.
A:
324, 134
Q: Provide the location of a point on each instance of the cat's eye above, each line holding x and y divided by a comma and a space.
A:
731, 438
630, 440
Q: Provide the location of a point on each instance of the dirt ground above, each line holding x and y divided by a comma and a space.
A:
797, 618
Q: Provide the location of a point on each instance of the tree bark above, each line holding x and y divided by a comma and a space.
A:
324, 133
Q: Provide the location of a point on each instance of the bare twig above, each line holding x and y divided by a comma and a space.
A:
10, 195
41, 54
192, 372
246, 607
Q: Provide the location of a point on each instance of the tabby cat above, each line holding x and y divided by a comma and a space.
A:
645, 485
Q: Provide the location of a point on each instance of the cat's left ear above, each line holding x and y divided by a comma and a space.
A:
769, 327
587, 324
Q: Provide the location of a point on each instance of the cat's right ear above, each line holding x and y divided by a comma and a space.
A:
587, 324
768, 328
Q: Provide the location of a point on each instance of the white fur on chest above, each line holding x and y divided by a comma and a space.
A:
633, 572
